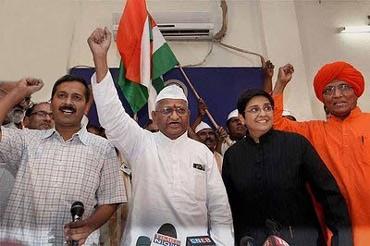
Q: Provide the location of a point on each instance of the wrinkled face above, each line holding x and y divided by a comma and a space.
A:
208, 137
339, 98
41, 117
236, 127
171, 117
16, 114
258, 114
68, 104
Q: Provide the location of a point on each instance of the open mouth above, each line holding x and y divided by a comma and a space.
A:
67, 110
340, 104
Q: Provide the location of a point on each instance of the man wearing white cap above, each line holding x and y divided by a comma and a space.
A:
208, 137
236, 129
175, 179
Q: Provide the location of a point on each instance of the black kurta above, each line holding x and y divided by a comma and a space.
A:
266, 184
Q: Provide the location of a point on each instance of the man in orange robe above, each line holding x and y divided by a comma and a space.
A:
342, 141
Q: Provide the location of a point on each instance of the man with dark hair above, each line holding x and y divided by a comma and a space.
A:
235, 128
57, 167
71, 78
39, 117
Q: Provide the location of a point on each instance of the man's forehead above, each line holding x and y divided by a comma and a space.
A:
171, 102
71, 87
43, 106
207, 130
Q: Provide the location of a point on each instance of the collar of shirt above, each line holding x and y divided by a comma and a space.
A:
166, 140
264, 138
82, 135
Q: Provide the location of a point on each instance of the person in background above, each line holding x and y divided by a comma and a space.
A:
210, 138
39, 117
235, 128
265, 175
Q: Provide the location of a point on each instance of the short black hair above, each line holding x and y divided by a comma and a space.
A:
247, 95
30, 110
71, 78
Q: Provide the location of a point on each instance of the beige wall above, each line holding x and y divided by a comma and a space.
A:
44, 38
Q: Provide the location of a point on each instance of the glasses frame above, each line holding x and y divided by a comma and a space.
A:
266, 108
168, 111
329, 91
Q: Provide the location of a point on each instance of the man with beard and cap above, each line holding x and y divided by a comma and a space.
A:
57, 167
209, 137
343, 140
39, 117
236, 129
174, 178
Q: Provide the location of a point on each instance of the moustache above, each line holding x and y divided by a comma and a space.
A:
67, 107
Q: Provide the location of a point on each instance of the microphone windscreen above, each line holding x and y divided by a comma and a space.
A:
77, 208
143, 241
200, 241
247, 241
168, 230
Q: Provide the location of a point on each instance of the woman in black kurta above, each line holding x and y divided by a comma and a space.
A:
266, 176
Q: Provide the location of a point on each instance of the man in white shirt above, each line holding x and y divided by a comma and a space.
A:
175, 179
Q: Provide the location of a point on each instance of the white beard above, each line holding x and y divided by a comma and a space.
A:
16, 116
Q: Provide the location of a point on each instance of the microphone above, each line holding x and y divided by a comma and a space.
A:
275, 241
247, 241
166, 235
200, 241
143, 241
77, 210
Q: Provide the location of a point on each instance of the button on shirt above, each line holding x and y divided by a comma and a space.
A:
51, 175
174, 181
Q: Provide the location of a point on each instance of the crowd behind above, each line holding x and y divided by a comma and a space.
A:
264, 178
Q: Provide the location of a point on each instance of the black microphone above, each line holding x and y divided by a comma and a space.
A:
200, 241
143, 241
247, 241
166, 235
77, 210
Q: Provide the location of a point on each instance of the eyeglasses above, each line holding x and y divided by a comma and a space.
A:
257, 110
167, 111
43, 114
330, 90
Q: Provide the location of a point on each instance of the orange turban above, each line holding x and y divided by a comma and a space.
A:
338, 71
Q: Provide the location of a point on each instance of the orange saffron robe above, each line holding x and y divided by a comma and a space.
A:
344, 146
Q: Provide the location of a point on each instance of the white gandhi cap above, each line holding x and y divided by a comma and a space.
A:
171, 92
233, 114
202, 125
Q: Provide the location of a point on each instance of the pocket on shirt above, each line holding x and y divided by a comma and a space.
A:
200, 184
365, 150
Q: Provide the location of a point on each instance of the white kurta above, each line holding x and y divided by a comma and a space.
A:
166, 186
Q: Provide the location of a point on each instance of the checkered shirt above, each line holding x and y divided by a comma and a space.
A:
52, 174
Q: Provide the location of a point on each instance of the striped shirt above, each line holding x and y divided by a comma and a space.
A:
51, 175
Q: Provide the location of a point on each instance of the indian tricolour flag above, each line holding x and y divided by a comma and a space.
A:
145, 55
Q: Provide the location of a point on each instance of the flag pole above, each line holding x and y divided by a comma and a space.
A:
198, 97
227, 140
